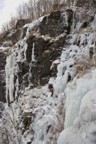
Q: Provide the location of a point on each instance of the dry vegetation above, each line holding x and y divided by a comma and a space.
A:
34, 9
83, 67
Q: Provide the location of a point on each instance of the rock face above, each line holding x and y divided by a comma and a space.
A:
48, 47
15, 34
2, 76
21, 22
45, 52
56, 24
10, 37
36, 52
36, 117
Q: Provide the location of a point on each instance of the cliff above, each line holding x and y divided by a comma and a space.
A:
57, 49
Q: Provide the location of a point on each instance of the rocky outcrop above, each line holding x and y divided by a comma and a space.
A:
48, 47
15, 34
36, 117
45, 52
2, 76
56, 24
21, 22
54, 28
34, 55
9, 38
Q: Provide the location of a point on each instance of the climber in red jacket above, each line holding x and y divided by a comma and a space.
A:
50, 86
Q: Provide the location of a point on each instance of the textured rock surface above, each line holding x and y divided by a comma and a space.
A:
2, 76
47, 36
33, 116
48, 44
21, 22
56, 24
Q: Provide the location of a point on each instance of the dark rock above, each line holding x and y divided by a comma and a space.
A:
28, 142
84, 25
24, 30
90, 19
1, 106
53, 71
21, 22
15, 36
26, 122
87, 22
47, 48
16, 33
55, 23
47, 51
2, 76
41, 68
24, 67
23, 74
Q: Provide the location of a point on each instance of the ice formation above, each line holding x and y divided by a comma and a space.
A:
80, 105
33, 56
80, 120
12, 69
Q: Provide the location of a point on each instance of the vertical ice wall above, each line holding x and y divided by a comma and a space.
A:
79, 120
12, 69
31, 64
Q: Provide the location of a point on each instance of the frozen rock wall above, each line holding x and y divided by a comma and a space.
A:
79, 123
60, 49
30, 61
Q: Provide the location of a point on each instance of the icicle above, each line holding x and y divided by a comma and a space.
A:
73, 24
19, 57
33, 56
17, 87
25, 48
30, 65
10, 70
30, 74
7, 78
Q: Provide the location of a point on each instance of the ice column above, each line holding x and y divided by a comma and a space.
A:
33, 56
10, 70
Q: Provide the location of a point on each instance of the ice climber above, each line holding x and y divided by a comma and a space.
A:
51, 89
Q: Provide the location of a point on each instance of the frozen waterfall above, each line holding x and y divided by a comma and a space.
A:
12, 69
80, 104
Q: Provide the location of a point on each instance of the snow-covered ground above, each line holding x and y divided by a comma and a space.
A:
46, 117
